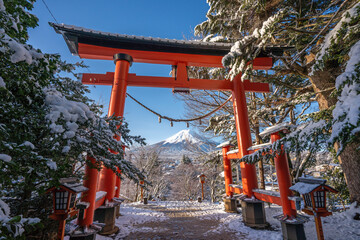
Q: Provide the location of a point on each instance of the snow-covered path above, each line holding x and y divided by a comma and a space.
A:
183, 220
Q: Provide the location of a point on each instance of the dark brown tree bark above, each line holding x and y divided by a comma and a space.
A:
350, 163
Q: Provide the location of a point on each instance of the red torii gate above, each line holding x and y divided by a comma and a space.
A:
124, 49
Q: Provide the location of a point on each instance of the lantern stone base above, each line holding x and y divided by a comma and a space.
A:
90, 234
117, 211
253, 213
106, 215
230, 205
293, 229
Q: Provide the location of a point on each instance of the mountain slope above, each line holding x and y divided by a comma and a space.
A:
185, 142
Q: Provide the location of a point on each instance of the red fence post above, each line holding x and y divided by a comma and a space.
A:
227, 170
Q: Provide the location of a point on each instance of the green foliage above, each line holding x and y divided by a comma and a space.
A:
48, 127
335, 178
185, 160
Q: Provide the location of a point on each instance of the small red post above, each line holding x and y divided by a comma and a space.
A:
319, 228
142, 189
116, 107
90, 182
202, 191
283, 178
227, 170
248, 171
61, 229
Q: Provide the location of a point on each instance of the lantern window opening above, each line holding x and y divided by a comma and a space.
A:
319, 199
61, 200
307, 198
73, 200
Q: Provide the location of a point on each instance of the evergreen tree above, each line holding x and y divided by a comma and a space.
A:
185, 160
325, 37
48, 126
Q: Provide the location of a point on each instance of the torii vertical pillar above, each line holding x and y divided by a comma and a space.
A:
229, 201
292, 227
107, 213
252, 210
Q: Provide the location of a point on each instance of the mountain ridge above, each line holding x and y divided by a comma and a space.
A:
184, 142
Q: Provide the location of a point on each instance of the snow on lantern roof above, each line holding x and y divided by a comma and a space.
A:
74, 35
275, 128
73, 184
307, 185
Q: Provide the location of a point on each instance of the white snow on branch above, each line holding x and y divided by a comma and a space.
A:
347, 110
354, 59
15, 228
67, 110
5, 157
51, 164
331, 37
216, 39
245, 50
2, 7
20, 52
2, 83
28, 144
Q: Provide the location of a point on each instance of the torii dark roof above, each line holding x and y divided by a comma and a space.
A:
74, 35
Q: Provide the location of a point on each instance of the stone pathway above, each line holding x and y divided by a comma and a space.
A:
184, 222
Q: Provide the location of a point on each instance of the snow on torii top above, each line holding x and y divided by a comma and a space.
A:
92, 44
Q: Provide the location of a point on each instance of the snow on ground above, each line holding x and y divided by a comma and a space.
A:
338, 226
131, 215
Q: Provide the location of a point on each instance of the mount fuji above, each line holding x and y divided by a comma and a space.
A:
185, 142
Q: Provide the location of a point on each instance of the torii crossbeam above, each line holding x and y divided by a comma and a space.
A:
124, 50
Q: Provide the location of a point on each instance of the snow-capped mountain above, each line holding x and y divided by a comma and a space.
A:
184, 142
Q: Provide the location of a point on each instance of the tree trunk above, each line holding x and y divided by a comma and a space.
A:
350, 163
324, 83
260, 163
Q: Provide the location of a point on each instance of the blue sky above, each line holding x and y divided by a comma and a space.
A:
160, 18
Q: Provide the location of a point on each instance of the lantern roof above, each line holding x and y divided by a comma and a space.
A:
304, 188
72, 184
307, 185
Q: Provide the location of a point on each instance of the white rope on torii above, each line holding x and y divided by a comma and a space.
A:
171, 120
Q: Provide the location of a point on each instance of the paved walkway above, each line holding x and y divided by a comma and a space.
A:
185, 221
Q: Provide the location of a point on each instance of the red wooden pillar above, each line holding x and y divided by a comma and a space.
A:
118, 185
90, 182
116, 107
118, 179
248, 171
227, 170
283, 178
